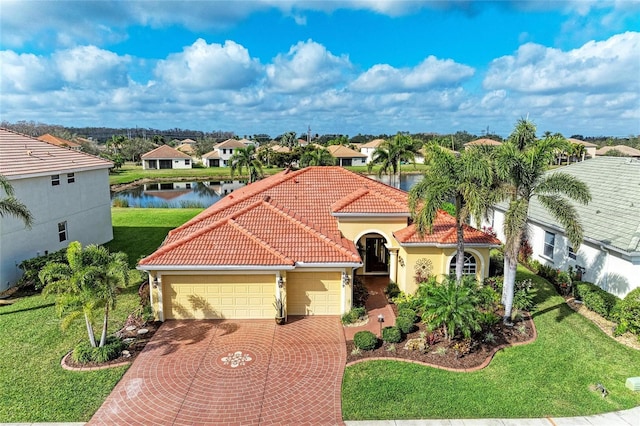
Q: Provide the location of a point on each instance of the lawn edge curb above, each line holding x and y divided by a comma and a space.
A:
64, 365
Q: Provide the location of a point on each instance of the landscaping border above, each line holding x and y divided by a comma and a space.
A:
458, 370
66, 366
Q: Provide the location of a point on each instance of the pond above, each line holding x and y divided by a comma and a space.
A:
199, 194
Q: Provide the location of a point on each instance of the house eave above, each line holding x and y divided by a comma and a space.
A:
214, 267
454, 245
10, 176
329, 264
357, 215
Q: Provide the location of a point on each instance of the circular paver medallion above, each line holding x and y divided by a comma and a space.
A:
236, 359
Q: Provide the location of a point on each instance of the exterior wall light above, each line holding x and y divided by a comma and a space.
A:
280, 282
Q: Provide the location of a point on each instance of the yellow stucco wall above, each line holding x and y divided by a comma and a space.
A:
354, 228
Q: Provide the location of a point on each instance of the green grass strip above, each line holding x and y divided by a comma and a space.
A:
552, 376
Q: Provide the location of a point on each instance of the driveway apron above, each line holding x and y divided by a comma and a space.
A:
250, 372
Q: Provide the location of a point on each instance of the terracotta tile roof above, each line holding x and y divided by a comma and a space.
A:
341, 151
23, 156
444, 233
212, 155
186, 148
164, 152
54, 140
371, 202
483, 141
231, 143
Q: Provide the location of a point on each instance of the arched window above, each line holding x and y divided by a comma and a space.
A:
468, 268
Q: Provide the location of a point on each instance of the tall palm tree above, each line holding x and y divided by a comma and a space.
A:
11, 206
391, 154
467, 179
87, 284
521, 163
317, 157
246, 157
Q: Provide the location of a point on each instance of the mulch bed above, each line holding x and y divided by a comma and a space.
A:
443, 354
135, 347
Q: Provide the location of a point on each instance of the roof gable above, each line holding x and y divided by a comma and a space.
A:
341, 151
54, 140
230, 143
444, 232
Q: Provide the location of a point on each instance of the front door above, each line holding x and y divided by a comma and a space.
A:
376, 256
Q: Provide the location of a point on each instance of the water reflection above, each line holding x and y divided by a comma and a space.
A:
175, 194
199, 194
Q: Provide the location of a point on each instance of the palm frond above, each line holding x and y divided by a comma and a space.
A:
565, 213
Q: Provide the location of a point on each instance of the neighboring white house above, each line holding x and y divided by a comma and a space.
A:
67, 192
222, 152
369, 148
165, 157
346, 156
610, 252
589, 148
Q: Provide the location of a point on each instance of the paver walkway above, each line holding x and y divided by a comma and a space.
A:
376, 304
234, 372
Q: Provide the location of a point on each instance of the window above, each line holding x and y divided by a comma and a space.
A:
55, 180
469, 267
549, 243
62, 231
224, 151
572, 253
187, 162
71, 177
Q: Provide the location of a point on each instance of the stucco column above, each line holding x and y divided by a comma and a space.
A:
157, 282
393, 265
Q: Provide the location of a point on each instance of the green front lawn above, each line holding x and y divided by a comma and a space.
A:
549, 377
33, 386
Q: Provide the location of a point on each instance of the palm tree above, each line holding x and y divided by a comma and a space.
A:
88, 283
521, 163
391, 154
11, 206
246, 157
317, 157
467, 179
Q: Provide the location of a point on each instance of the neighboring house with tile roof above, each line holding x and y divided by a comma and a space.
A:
590, 148
610, 251
222, 152
482, 142
624, 149
165, 157
300, 236
67, 192
54, 140
346, 156
369, 148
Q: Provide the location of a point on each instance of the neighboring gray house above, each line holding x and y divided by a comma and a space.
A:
610, 252
67, 192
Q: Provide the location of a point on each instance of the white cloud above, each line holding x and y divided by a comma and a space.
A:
611, 65
430, 73
307, 66
24, 73
92, 68
203, 66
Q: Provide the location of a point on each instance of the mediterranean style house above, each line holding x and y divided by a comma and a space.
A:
302, 237
67, 192
610, 251
165, 157
222, 152
369, 148
346, 156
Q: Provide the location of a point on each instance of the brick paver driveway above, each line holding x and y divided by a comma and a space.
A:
233, 372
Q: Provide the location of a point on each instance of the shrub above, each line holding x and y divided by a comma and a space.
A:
417, 344
408, 313
524, 295
391, 334
488, 298
462, 348
405, 324
120, 202
629, 313
84, 352
496, 262
404, 300
354, 315
548, 273
32, 267
392, 290
360, 292
365, 340
597, 299
534, 266
488, 319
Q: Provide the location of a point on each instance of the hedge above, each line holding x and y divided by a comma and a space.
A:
598, 300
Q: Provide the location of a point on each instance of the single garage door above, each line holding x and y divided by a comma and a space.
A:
313, 293
218, 296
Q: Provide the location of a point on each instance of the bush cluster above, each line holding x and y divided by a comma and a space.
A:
32, 267
391, 334
354, 315
365, 340
405, 324
629, 313
84, 352
597, 299
392, 290
360, 292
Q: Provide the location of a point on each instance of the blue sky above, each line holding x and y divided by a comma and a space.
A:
349, 67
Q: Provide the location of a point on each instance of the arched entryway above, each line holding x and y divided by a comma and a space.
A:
375, 254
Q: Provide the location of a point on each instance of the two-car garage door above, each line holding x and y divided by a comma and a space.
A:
249, 296
218, 296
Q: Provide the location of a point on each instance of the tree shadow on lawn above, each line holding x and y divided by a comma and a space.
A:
137, 241
33, 308
546, 293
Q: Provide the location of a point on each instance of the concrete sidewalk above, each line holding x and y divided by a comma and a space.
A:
617, 418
